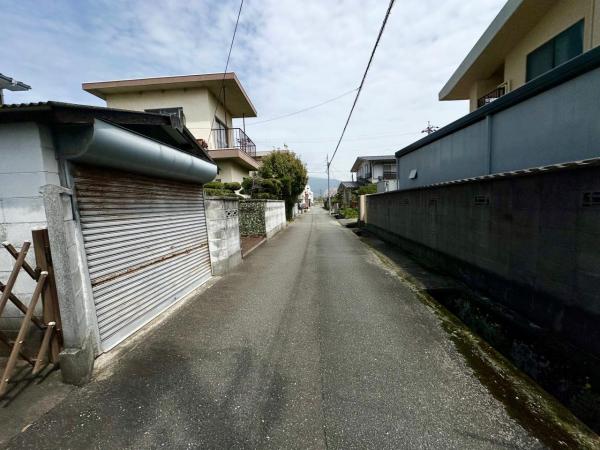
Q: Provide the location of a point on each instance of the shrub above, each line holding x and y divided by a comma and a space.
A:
232, 186
367, 189
218, 193
214, 185
349, 213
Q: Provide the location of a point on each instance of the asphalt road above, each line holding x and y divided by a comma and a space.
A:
310, 343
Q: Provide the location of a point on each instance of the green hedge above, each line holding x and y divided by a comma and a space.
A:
218, 189
349, 213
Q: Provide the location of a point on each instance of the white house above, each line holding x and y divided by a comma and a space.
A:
371, 169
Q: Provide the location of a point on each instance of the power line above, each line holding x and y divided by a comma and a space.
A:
305, 109
362, 82
387, 15
222, 90
327, 140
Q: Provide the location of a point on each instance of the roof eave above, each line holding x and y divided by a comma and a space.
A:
102, 89
450, 90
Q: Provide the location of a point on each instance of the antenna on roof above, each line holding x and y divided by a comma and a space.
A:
430, 128
11, 85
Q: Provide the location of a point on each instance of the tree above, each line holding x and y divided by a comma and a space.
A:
282, 176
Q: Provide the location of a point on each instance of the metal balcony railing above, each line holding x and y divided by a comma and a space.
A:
491, 96
233, 138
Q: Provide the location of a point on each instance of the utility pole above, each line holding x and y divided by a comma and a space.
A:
430, 128
328, 189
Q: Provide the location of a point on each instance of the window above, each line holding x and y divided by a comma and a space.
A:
220, 132
564, 47
365, 170
389, 171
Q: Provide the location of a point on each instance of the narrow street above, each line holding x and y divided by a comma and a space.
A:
310, 343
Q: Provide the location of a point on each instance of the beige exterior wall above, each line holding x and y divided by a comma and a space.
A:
230, 172
482, 87
595, 32
198, 106
560, 17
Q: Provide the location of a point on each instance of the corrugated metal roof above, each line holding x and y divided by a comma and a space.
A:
350, 184
360, 159
512, 174
377, 158
152, 125
22, 105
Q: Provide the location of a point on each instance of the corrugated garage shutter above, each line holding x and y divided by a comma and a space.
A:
146, 245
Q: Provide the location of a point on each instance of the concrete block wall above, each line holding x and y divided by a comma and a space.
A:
222, 223
27, 163
275, 220
530, 242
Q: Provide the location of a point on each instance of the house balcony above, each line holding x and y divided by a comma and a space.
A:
234, 146
491, 96
232, 138
551, 120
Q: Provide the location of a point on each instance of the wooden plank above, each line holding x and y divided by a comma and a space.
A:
33, 273
19, 304
41, 356
13, 275
43, 257
5, 339
14, 354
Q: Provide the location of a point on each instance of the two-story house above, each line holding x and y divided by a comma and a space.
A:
532, 82
376, 169
206, 104
527, 39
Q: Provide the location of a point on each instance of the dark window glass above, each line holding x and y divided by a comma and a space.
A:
555, 52
540, 61
220, 133
568, 44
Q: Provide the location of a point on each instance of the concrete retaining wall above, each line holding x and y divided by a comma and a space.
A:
531, 242
261, 217
222, 222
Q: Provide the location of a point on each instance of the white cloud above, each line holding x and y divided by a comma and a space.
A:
288, 54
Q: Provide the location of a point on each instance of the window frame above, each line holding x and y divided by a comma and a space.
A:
578, 26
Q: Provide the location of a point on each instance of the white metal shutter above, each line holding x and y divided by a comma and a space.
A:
146, 245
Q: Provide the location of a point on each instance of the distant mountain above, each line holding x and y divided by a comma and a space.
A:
319, 185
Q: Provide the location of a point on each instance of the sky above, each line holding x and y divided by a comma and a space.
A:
288, 55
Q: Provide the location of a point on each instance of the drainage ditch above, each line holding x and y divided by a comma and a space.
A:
569, 374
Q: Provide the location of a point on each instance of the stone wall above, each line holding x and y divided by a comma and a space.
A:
222, 222
262, 217
531, 242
